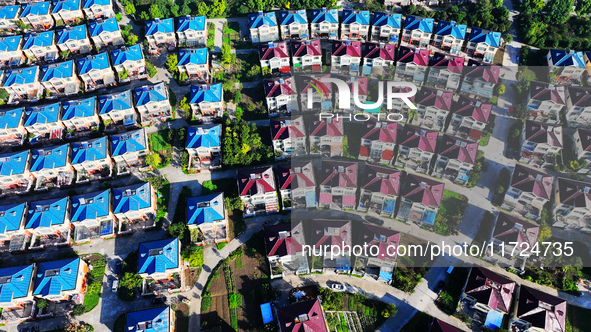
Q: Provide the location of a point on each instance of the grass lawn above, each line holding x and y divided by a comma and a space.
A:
451, 212
420, 322
159, 142
94, 281
577, 319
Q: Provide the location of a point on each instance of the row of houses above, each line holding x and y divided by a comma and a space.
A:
190, 32
548, 103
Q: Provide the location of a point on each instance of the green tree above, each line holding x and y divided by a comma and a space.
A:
157, 182
537, 5
129, 9
583, 7
500, 89
202, 9
177, 230
545, 234
42, 303
144, 16
154, 160
507, 38
131, 39
155, 11
172, 63
218, 7
226, 54
185, 10
130, 281
123, 74
558, 11
78, 310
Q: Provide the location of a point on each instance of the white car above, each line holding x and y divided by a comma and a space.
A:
115, 285
337, 287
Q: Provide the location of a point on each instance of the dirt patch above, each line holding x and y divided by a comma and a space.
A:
217, 314
191, 275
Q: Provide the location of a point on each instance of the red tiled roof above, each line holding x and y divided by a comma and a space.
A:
510, 228
279, 87
470, 107
346, 47
296, 175
542, 310
308, 47
417, 137
387, 183
530, 180
490, 289
305, 316
383, 238
457, 148
423, 190
434, 97
327, 127
339, 174
419, 57
273, 50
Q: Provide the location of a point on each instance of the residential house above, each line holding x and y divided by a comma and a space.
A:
284, 245
129, 63
11, 51
96, 72
338, 184
92, 217
412, 64
568, 66
73, 40
546, 102
204, 147
480, 80
80, 114
117, 109
191, 31
59, 80
22, 84
307, 55
433, 108
310, 98
105, 33
98, 9
483, 44
263, 27
51, 167
208, 214
449, 36
345, 56
417, 31
456, 159
445, 71
160, 33
207, 102
17, 289
324, 23
67, 12
326, 137
91, 159
578, 106
421, 199
386, 28
152, 103
297, 185
355, 25
194, 63
12, 234
14, 173
293, 24
582, 139
469, 118
159, 260
44, 121
537, 311
487, 291
257, 189
40, 47
129, 149
12, 127
37, 15
289, 137
377, 58
134, 206
274, 56
417, 148
305, 316
281, 96
573, 205
541, 143
148, 320
438, 325
48, 223
529, 191
63, 280
378, 142
381, 265
380, 188
335, 234
9, 15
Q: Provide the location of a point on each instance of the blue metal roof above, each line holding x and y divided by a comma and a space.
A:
9, 12
132, 198
452, 28
567, 58
90, 3
99, 62
97, 27
91, 150
21, 76
16, 281
158, 25
204, 136
196, 23
262, 19
287, 17
46, 213
66, 5
491, 38
128, 142
132, 53
80, 108
355, 16
40, 39
494, 320
59, 70
42, 114
90, 206
35, 9
11, 217
208, 93
11, 118
115, 102
158, 256
10, 44
49, 158
148, 93
54, 277
267, 313
419, 23
386, 19
13, 163
194, 56
205, 209
324, 15
71, 33
149, 320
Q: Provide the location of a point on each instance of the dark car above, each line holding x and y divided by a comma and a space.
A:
159, 300
116, 266
439, 287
